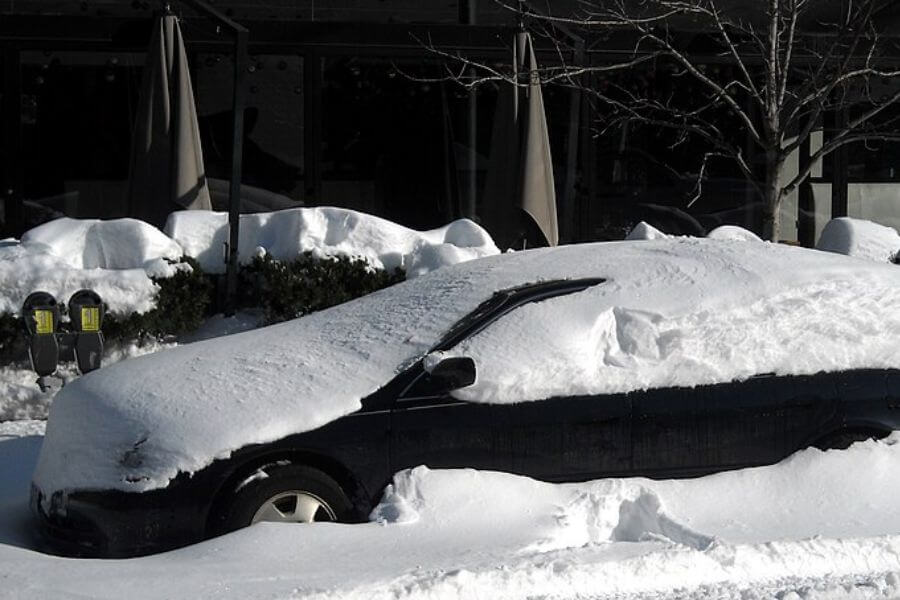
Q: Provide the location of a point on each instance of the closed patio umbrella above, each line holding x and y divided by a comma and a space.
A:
166, 158
519, 196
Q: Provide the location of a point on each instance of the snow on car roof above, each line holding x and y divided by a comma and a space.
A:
680, 311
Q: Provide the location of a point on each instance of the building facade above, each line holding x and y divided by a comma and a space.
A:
348, 104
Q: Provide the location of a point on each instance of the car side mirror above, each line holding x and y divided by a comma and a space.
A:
453, 373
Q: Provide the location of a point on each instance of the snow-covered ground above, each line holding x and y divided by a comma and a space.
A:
820, 525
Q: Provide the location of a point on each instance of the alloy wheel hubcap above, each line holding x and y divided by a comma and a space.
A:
294, 506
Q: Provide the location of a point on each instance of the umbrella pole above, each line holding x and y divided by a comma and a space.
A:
237, 145
468, 13
234, 191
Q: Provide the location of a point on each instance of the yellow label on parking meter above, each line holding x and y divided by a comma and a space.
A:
43, 321
90, 318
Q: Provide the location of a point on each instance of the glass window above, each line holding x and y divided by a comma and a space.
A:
273, 127
650, 173
394, 141
78, 111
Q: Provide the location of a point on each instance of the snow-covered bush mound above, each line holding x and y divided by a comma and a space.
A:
327, 231
733, 232
645, 231
860, 238
115, 258
96, 244
674, 312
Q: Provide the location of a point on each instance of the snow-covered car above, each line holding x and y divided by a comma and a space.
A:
663, 358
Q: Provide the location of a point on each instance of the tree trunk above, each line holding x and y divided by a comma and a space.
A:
771, 226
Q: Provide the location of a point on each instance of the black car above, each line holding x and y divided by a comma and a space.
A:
336, 471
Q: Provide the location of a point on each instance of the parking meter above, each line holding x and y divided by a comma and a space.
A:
40, 314
86, 314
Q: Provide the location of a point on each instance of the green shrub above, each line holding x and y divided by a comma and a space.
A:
12, 342
180, 307
282, 289
288, 289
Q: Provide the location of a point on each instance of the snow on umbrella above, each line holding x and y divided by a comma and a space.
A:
520, 174
166, 158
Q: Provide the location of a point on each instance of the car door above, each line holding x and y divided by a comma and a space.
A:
745, 422
667, 433
558, 439
430, 427
690, 431
567, 439
812, 411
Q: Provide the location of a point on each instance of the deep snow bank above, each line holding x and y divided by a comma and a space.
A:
115, 258
645, 231
838, 493
860, 238
679, 312
327, 231
733, 232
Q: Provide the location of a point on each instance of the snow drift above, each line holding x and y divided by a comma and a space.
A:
645, 231
327, 231
860, 238
675, 312
733, 232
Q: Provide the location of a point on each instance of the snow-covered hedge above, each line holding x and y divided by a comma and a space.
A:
286, 289
293, 262
860, 238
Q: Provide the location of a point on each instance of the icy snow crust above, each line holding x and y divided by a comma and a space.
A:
328, 231
672, 312
115, 258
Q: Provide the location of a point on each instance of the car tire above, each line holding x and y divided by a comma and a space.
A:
282, 492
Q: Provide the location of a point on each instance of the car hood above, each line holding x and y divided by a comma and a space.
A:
137, 424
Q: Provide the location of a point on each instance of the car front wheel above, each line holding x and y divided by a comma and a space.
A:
285, 493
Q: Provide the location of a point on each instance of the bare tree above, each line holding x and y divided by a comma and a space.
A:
786, 66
